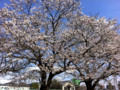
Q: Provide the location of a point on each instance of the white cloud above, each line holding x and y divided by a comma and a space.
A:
33, 68
63, 77
3, 80
59, 78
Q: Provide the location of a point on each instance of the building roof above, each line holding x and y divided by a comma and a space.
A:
63, 82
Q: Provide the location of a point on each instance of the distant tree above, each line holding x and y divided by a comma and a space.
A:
55, 84
34, 86
76, 82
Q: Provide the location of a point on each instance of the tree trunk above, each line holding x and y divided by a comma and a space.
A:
44, 87
45, 84
43, 81
89, 85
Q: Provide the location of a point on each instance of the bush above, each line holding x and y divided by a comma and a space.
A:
34, 86
55, 85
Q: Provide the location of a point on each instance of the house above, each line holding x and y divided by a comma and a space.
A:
67, 85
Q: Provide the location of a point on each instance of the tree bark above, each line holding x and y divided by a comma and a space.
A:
89, 85
44, 87
43, 81
45, 84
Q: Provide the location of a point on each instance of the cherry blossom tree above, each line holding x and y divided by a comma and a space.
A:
54, 36
96, 53
33, 32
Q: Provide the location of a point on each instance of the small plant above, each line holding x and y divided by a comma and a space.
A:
34, 86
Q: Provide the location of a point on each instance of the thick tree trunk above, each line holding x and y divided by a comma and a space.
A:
43, 81
89, 85
44, 87
45, 84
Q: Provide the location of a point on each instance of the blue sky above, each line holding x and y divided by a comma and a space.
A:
106, 8
2, 2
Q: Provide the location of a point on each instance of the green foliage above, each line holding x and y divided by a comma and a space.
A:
55, 84
76, 82
34, 86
